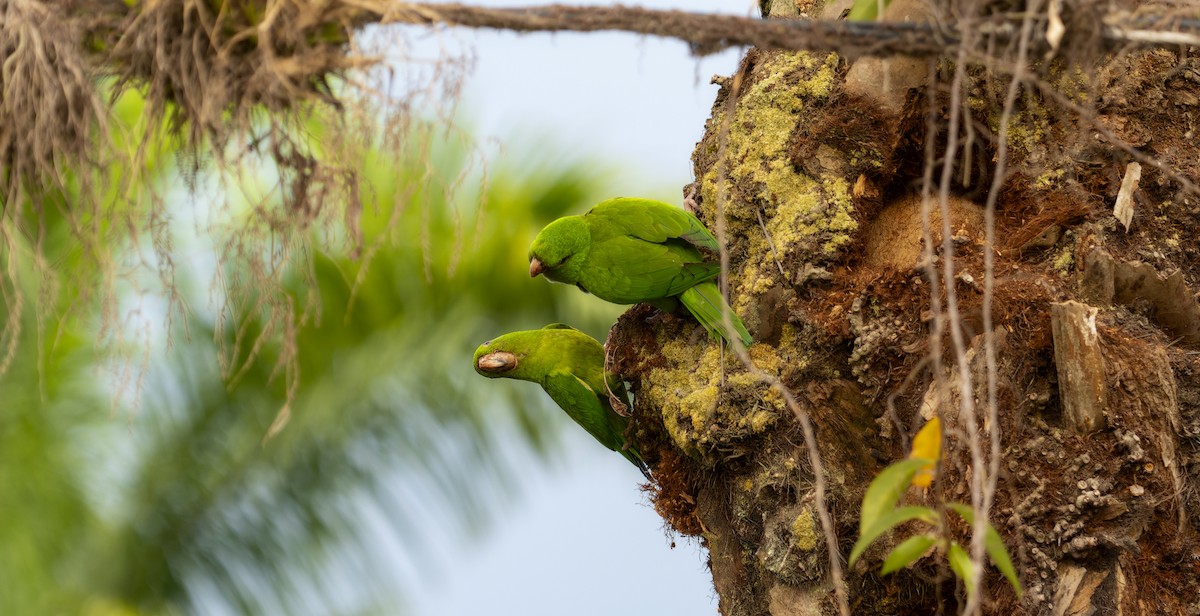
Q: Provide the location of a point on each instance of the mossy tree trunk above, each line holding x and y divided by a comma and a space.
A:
816, 165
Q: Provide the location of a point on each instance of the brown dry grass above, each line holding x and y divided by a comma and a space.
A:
279, 100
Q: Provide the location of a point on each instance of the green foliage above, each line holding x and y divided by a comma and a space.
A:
46, 516
884, 492
879, 515
180, 505
960, 564
994, 545
887, 522
907, 552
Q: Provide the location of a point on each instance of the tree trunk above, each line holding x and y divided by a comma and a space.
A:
817, 169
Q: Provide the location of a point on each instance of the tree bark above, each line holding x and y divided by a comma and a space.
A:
814, 174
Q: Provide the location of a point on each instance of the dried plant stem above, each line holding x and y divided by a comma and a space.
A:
966, 398
938, 326
992, 425
770, 242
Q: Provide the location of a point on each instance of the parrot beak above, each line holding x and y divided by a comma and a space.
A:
535, 267
497, 362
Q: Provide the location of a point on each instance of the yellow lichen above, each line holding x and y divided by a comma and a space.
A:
1064, 261
762, 283
1049, 179
1073, 83
701, 405
804, 531
1026, 130
805, 218
689, 391
765, 358
759, 420
762, 124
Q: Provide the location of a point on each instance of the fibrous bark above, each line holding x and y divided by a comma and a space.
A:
820, 187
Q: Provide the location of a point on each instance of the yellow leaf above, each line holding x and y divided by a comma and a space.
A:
927, 445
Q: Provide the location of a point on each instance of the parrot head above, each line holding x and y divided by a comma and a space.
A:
559, 249
528, 355
492, 361
513, 355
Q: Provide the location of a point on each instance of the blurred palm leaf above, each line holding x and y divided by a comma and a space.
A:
390, 428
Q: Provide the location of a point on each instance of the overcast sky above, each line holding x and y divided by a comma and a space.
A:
584, 539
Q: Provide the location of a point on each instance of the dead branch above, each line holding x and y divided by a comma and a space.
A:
708, 33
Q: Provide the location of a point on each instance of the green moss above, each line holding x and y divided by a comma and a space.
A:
1049, 179
804, 531
699, 410
1027, 129
764, 120
806, 218
819, 220
1065, 260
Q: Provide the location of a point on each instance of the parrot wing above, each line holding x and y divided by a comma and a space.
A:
591, 411
651, 221
638, 270
582, 404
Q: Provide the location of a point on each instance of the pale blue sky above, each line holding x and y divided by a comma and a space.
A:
583, 540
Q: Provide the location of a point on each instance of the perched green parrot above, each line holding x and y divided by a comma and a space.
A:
569, 365
628, 250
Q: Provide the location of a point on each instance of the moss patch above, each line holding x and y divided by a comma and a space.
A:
702, 408
804, 531
788, 218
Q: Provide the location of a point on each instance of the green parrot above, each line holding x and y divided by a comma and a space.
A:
569, 365
628, 250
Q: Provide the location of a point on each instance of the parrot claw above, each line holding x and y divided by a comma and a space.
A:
618, 405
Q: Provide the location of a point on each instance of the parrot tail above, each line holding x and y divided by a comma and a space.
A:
705, 303
633, 456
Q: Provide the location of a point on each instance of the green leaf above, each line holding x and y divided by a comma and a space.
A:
993, 543
886, 489
906, 553
963, 511
999, 555
960, 563
886, 523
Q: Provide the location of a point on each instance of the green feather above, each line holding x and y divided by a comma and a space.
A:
704, 301
628, 251
569, 365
